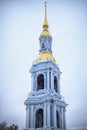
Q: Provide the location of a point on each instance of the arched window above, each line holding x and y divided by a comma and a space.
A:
39, 118
55, 84
43, 45
40, 82
57, 119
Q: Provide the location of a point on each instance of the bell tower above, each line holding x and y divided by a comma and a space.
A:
45, 108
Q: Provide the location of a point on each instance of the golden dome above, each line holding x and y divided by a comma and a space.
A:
46, 56
45, 33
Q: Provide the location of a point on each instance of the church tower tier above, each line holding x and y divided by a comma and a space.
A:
45, 37
45, 108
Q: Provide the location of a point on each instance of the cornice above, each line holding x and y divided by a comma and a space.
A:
34, 100
44, 66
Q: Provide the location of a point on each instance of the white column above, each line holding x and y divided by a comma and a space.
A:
32, 83
62, 120
45, 82
59, 85
55, 115
48, 114
35, 85
44, 115
48, 79
52, 80
27, 118
64, 111
32, 117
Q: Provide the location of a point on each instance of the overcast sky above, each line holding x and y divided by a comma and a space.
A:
20, 28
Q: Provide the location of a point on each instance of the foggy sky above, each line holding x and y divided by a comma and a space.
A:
20, 27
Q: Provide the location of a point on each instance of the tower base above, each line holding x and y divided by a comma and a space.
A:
51, 128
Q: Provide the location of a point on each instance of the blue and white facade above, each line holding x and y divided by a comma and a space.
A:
45, 108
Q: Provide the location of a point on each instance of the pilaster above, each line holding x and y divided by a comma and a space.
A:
45, 114
48, 79
32, 117
48, 114
64, 119
54, 112
35, 83
59, 85
32, 83
52, 87
27, 118
45, 81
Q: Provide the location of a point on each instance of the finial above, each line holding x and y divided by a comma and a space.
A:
45, 25
45, 3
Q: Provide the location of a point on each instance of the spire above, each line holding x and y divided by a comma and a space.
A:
45, 31
45, 24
